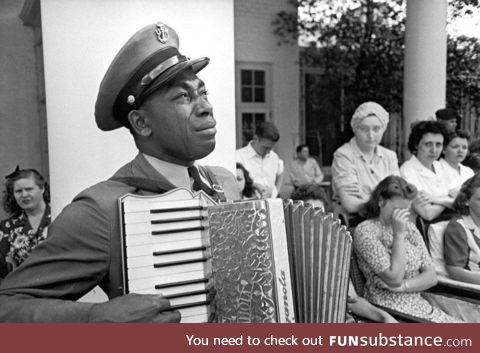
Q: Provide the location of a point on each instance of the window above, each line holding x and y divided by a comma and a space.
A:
253, 99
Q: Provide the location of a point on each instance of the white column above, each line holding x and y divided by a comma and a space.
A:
425, 70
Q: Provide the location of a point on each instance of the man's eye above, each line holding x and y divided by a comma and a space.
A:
183, 95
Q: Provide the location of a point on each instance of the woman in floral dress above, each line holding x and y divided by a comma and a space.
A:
392, 255
26, 198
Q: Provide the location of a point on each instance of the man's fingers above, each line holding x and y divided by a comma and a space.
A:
168, 316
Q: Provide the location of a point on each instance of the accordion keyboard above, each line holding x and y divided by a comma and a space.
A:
166, 252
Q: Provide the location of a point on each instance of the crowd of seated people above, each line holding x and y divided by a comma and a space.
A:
390, 248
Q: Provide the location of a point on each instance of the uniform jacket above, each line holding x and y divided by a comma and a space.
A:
83, 250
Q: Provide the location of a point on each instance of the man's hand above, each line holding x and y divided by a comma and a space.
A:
134, 308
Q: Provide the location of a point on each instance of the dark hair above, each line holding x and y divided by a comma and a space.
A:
421, 128
465, 193
458, 133
474, 146
301, 147
312, 192
473, 161
391, 186
267, 130
248, 190
10, 205
448, 114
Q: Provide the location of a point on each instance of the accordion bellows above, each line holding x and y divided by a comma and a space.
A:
251, 261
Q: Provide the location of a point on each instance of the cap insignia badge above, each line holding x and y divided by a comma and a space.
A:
162, 33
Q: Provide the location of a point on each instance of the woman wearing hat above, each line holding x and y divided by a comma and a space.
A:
360, 164
26, 198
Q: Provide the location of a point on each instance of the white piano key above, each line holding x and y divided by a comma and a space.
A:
144, 204
195, 311
147, 217
140, 228
189, 299
145, 283
148, 238
184, 288
149, 249
149, 271
150, 260
196, 319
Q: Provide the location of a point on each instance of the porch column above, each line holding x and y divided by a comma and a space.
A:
425, 71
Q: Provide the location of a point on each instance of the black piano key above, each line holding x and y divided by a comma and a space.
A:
173, 220
176, 251
181, 283
170, 231
177, 209
190, 305
186, 294
180, 262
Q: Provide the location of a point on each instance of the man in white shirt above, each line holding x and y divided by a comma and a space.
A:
263, 164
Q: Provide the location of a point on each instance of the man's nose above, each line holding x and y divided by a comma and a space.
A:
204, 108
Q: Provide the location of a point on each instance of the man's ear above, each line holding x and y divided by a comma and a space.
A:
138, 123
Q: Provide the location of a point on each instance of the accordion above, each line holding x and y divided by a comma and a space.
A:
248, 261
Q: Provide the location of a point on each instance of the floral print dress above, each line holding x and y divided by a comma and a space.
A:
21, 238
373, 246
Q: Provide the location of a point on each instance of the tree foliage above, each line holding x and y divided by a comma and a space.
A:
360, 46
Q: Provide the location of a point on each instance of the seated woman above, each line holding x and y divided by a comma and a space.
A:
360, 164
392, 255
455, 150
462, 237
26, 199
425, 172
245, 183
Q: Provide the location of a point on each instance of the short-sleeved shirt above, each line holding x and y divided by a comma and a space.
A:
461, 243
423, 178
350, 166
455, 178
305, 172
262, 170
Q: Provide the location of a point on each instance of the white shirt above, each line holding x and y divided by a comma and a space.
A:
262, 170
456, 178
423, 178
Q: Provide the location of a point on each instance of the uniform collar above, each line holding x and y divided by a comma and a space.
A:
174, 173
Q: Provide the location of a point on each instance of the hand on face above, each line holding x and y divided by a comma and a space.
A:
400, 218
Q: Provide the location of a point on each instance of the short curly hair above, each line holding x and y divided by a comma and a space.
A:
10, 205
421, 128
391, 186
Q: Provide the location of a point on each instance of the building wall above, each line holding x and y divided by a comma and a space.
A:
19, 118
255, 42
80, 40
